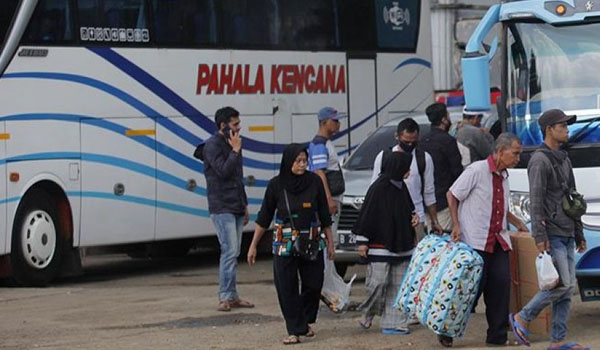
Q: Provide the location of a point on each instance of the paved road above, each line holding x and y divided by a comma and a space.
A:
171, 304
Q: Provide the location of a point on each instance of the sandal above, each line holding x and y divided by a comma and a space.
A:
366, 323
445, 340
241, 303
291, 339
506, 343
569, 346
224, 305
519, 331
310, 333
395, 331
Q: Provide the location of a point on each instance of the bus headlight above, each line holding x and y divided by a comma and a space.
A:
519, 205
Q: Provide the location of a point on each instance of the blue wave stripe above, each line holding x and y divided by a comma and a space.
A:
9, 200
119, 163
170, 97
413, 60
137, 104
149, 142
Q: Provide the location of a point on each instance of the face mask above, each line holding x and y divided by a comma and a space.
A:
407, 147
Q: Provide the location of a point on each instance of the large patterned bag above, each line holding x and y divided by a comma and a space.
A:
440, 285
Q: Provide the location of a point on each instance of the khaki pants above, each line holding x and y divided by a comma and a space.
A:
444, 219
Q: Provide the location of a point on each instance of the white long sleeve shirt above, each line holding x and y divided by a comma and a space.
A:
413, 183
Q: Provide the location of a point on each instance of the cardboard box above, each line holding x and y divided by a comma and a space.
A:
523, 276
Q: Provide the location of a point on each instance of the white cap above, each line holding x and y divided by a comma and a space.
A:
471, 114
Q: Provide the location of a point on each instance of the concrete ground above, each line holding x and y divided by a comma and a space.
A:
171, 304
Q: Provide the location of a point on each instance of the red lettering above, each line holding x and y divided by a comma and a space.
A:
299, 73
288, 79
213, 85
203, 77
259, 82
330, 78
237, 80
246, 88
275, 71
319, 86
226, 77
341, 81
308, 79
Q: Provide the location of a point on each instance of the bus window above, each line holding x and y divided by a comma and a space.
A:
309, 24
184, 22
357, 25
113, 21
7, 12
249, 23
398, 24
50, 23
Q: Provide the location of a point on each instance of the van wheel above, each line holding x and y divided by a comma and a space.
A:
36, 242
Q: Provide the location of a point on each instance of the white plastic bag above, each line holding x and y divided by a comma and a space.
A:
335, 292
546, 272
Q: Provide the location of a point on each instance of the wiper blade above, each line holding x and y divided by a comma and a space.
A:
584, 131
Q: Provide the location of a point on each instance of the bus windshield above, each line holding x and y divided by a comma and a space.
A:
553, 67
7, 12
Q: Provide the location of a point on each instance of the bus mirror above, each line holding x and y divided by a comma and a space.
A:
476, 81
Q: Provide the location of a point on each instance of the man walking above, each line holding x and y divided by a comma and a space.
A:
553, 230
227, 201
475, 141
481, 220
446, 159
323, 159
420, 182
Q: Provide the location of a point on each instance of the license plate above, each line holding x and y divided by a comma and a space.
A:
347, 240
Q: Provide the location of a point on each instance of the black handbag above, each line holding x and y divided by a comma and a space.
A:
304, 246
335, 180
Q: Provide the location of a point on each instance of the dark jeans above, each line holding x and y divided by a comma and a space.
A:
495, 286
298, 305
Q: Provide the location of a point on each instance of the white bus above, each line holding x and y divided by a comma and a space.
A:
102, 103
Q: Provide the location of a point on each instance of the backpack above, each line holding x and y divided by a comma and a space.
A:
573, 203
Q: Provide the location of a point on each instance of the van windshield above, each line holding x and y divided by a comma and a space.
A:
364, 156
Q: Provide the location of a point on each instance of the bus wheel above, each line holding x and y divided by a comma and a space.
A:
36, 242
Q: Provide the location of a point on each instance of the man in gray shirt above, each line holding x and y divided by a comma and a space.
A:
554, 231
471, 136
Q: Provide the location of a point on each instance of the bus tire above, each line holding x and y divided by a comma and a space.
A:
37, 244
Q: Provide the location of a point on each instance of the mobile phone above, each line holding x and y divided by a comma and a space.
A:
227, 132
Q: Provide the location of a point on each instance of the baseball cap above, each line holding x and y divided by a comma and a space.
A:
326, 113
555, 116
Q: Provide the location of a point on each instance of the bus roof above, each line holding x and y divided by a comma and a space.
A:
551, 11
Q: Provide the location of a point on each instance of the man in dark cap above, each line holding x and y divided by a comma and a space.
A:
553, 230
446, 160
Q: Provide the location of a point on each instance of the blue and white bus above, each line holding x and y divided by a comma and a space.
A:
549, 51
102, 103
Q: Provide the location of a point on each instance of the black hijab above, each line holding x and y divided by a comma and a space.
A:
385, 216
291, 182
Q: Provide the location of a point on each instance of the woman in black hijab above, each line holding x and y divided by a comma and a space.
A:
386, 237
307, 202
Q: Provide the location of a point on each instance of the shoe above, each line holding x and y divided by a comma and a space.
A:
395, 331
519, 330
238, 303
310, 333
366, 322
569, 346
291, 339
445, 340
224, 305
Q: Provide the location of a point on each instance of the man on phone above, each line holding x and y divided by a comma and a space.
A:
227, 201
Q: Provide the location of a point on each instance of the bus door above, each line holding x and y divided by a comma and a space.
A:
118, 186
3, 225
362, 95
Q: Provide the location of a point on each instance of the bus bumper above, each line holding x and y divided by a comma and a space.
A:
587, 268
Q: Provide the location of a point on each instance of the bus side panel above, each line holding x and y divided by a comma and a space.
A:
118, 181
58, 171
3, 199
181, 212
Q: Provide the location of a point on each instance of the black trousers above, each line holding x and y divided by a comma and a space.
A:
495, 286
298, 305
